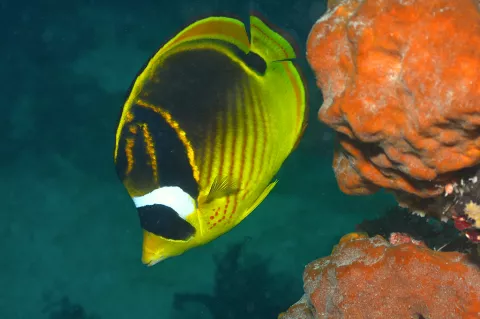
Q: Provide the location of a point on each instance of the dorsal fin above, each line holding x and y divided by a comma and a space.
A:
267, 43
219, 28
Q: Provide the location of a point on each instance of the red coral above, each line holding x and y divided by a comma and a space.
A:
401, 85
371, 278
461, 223
473, 235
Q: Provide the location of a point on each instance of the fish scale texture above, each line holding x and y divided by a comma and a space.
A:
371, 278
400, 80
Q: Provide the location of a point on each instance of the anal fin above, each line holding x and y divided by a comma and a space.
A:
260, 199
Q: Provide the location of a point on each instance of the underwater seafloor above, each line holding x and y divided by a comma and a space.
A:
70, 236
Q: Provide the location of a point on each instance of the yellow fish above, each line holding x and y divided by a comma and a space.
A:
206, 126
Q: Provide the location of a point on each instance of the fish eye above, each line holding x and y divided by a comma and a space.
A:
163, 221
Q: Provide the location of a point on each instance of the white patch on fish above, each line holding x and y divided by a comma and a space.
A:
171, 196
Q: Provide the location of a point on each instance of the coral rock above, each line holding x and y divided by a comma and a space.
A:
401, 85
301, 310
372, 278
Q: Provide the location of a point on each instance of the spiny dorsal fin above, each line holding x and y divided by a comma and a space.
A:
222, 187
219, 28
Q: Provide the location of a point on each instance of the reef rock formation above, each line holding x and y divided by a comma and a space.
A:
374, 278
401, 86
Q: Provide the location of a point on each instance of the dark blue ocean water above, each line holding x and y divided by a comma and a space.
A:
69, 233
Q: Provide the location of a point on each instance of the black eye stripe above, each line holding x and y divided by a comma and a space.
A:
163, 221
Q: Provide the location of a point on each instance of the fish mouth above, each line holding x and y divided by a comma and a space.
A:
151, 254
154, 262
151, 258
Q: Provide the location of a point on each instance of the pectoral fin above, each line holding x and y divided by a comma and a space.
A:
221, 187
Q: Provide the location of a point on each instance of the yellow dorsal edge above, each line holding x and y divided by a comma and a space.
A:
219, 28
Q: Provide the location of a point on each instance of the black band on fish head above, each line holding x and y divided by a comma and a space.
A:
163, 221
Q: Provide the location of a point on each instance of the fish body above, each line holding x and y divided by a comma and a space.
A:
206, 126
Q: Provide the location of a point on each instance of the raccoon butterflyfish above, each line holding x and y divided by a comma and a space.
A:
206, 126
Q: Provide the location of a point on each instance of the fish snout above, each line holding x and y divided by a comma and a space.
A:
152, 250
150, 260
